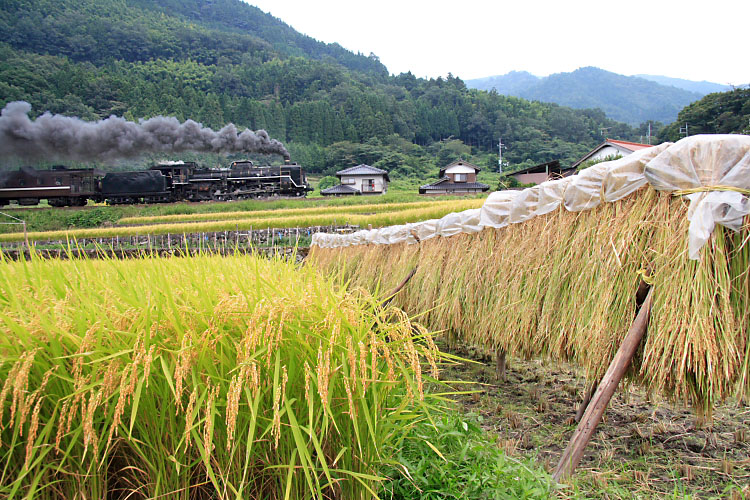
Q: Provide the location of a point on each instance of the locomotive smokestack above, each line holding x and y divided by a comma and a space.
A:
71, 138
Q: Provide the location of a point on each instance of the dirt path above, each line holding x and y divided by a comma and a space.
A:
642, 449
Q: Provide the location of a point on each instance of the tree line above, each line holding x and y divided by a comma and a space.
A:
226, 61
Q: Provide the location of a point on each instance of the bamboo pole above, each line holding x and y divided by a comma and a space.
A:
595, 410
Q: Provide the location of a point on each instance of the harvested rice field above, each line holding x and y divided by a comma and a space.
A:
559, 293
562, 286
644, 448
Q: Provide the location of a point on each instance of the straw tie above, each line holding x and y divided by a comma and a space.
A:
704, 189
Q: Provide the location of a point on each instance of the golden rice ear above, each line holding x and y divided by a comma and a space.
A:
562, 285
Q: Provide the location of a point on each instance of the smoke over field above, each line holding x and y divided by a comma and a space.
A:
63, 137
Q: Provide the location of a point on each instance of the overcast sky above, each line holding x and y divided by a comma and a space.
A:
705, 40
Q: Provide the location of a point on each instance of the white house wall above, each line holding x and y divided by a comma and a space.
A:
380, 185
608, 151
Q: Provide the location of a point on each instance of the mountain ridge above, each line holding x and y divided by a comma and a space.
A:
702, 87
224, 61
630, 99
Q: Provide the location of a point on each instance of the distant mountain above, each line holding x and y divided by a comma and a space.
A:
624, 98
221, 61
702, 87
512, 83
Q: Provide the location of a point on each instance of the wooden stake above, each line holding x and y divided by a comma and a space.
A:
399, 287
585, 403
593, 415
500, 364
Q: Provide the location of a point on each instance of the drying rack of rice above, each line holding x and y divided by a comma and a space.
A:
552, 271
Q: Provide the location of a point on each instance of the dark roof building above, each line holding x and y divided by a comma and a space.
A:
457, 177
338, 190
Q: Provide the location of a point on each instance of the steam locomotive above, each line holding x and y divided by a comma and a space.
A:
163, 183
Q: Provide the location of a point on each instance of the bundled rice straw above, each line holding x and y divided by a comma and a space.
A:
562, 285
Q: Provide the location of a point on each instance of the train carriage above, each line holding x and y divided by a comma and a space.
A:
61, 186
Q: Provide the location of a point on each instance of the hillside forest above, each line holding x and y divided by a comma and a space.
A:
226, 61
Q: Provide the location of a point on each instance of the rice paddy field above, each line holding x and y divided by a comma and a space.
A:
203, 377
380, 214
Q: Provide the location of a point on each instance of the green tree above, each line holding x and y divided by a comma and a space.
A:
327, 181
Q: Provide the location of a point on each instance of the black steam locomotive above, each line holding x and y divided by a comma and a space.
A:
163, 183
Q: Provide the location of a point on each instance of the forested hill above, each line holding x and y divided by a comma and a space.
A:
719, 113
626, 98
208, 32
225, 61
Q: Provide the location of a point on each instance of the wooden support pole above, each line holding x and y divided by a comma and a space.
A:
501, 364
399, 287
593, 415
585, 403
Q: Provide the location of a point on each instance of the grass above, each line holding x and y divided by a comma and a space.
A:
401, 215
171, 377
456, 459
562, 286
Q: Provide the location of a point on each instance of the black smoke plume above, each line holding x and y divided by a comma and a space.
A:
63, 137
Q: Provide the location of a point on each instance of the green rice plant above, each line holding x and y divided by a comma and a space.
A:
237, 215
203, 377
563, 286
326, 219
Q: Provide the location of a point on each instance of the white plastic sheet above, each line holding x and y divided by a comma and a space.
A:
721, 162
524, 205
551, 195
625, 176
426, 229
470, 222
705, 162
496, 209
585, 190
459, 222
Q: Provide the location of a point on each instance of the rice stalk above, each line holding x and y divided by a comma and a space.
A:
562, 286
223, 376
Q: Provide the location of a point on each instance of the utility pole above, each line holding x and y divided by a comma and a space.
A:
684, 130
649, 133
500, 147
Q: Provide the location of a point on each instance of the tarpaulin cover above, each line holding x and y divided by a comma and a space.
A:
703, 162
426, 229
715, 169
551, 195
625, 176
496, 209
524, 205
